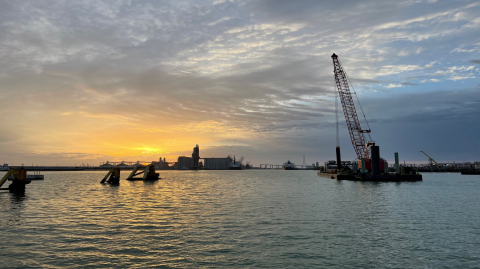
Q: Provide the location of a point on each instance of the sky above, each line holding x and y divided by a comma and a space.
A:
90, 81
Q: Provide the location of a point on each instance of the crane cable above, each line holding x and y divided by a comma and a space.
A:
361, 108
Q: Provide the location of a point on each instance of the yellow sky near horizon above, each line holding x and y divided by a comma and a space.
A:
119, 137
91, 81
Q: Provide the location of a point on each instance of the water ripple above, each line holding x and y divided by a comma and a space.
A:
261, 219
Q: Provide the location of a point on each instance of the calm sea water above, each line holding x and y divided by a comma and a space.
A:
241, 219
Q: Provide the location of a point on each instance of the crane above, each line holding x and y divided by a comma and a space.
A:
430, 159
357, 134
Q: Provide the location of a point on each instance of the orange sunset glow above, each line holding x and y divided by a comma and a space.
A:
133, 82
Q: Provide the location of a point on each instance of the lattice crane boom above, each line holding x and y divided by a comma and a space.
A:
430, 158
356, 132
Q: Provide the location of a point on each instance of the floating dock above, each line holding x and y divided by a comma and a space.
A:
402, 174
471, 172
36, 176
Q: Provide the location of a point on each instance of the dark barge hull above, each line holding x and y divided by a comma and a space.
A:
379, 178
382, 178
471, 172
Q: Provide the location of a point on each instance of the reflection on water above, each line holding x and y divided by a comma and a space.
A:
12, 203
241, 219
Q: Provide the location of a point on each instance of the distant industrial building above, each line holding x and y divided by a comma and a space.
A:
161, 164
122, 164
185, 163
217, 163
196, 157
106, 165
194, 163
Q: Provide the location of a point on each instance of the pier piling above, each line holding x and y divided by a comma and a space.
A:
112, 177
397, 164
375, 160
148, 174
339, 159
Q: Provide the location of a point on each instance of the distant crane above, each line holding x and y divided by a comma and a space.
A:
430, 159
357, 134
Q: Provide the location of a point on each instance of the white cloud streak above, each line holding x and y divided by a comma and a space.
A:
247, 64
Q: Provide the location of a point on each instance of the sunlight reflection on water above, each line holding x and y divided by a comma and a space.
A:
221, 219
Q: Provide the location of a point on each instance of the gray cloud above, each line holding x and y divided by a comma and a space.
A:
308, 10
263, 66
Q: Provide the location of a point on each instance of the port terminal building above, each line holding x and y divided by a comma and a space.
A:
217, 163
192, 163
187, 163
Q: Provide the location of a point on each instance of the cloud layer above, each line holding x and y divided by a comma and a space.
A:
98, 80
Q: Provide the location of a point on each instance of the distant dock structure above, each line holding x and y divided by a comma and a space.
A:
291, 166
